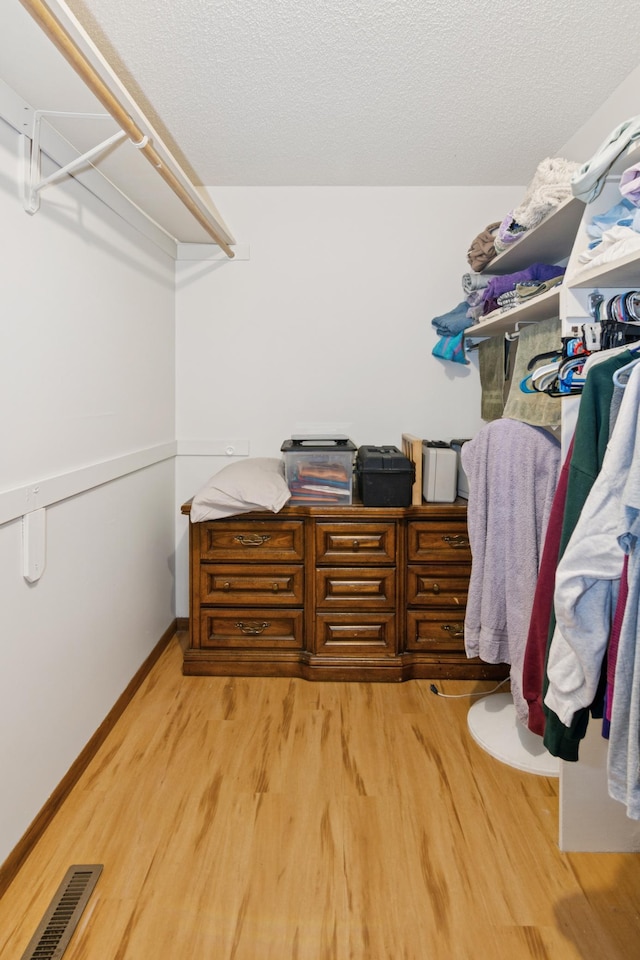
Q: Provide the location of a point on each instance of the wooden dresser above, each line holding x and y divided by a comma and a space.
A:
341, 593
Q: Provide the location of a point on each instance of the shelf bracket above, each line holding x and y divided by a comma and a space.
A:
33, 182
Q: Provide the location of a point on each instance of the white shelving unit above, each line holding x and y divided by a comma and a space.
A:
589, 819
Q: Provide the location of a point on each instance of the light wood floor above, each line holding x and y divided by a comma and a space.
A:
242, 819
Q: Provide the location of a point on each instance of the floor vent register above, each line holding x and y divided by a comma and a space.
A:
62, 916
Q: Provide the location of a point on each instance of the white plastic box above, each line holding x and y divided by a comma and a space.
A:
439, 472
463, 480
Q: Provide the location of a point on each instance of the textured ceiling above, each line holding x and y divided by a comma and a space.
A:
371, 92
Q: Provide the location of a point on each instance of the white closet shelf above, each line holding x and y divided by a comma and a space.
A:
624, 272
549, 242
52, 68
543, 307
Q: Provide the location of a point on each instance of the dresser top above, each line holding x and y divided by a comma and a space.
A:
355, 511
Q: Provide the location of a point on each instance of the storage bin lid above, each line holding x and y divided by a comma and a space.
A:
385, 458
322, 444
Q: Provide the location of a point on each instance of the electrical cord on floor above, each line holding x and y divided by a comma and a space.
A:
460, 696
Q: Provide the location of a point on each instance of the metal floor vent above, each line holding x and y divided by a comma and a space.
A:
62, 916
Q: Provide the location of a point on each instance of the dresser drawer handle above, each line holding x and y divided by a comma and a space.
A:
274, 587
253, 540
436, 588
456, 630
253, 627
226, 586
457, 541
356, 545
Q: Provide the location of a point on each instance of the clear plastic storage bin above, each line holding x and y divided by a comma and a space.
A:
319, 470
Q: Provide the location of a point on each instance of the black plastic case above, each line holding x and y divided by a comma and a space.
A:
385, 477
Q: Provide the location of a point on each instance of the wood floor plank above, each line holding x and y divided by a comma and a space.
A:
277, 819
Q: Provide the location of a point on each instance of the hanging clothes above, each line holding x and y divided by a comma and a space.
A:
623, 762
590, 443
587, 583
535, 656
513, 472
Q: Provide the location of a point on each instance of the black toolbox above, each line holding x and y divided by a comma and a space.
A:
384, 476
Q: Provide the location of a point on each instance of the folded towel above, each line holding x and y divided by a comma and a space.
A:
472, 282
538, 409
453, 322
451, 348
483, 248
526, 291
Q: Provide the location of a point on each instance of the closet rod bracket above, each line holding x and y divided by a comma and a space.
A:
33, 182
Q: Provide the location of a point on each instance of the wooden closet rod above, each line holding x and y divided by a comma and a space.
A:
77, 59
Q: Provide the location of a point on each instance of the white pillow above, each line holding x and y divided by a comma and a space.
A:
254, 484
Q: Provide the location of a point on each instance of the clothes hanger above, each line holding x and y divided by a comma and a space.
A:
549, 355
570, 379
595, 301
516, 329
543, 377
635, 348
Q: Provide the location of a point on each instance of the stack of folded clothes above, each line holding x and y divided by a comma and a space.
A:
473, 286
505, 292
616, 232
320, 482
523, 292
454, 322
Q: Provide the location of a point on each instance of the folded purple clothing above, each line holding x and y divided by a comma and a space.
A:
500, 285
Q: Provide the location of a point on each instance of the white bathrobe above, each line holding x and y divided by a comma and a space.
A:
513, 471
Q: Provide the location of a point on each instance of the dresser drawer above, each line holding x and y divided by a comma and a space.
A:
355, 635
435, 630
356, 543
370, 587
254, 628
249, 584
252, 540
438, 586
439, 541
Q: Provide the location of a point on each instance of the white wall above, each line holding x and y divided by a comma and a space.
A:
328, 324
86, 375
623, 104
